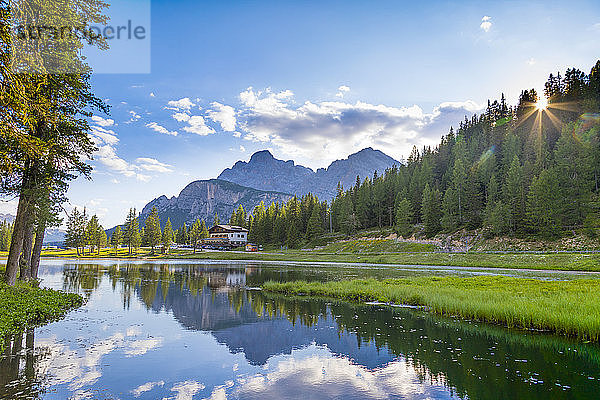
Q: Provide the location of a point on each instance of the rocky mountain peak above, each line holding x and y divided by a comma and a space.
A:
266, 172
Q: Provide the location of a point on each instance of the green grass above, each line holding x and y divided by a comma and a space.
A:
565, 307
109, 253
550, 261
358, 246
24, 306
375, 251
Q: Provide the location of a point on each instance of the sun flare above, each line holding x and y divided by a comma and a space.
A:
542, 104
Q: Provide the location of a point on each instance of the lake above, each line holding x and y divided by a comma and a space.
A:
201, 330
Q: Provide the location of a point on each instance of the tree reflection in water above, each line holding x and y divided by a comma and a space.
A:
19, 368
472, 360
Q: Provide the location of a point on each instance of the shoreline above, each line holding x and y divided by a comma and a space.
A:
552, 261
432, 268
566, 308
24, 306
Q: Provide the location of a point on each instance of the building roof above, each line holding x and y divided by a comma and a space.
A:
230, 228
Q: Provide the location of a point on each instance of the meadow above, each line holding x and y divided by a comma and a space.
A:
568, 308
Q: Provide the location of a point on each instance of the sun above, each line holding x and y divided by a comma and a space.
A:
541, 104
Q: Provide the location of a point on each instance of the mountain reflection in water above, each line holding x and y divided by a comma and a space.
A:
276, 346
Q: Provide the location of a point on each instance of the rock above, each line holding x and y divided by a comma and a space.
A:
201, 199
265, 172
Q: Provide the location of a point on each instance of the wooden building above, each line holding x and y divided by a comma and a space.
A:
226, 236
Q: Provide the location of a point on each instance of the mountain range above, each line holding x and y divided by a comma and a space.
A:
265, 172
262, 178
202, 199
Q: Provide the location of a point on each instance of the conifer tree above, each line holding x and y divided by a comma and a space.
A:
167, 238
403, 216
152, 229
314, 225
514, 194
430, 210
542, 204
131, 234
195, 233
115, 239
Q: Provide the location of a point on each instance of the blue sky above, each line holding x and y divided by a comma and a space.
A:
314, 82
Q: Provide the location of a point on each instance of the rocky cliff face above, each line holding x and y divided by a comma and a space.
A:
265, 172
201, 199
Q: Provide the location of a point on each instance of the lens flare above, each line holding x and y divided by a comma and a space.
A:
542, 104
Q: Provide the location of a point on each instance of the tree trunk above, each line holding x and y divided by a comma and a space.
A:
30, 357
16, 244
37, 250
25, 262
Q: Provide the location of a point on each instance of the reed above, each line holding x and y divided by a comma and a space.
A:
565, 307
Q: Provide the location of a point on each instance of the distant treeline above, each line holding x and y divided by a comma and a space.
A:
533, 168
6, 229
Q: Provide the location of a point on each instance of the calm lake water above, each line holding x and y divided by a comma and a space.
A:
199, 331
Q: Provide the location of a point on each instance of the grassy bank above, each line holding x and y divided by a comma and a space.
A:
24, 306
565, 307
550, 261
379, 251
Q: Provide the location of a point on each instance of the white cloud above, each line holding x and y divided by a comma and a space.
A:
151, 164
186, 390
224, 115
160, 129
104, 122
182, 104
181, 116
324, 375
197, 125
326, 131
80, 367
146, 387
106, 141
266, 102
134, 116
101, 135
142, 346
342, 90
9, 206
486, 23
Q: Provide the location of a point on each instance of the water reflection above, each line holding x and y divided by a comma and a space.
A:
194, 331
18, 368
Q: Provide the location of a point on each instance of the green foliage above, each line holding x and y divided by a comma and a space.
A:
430, 210
402, 216
592, 221
116, 238
152, 229
376, 246
95, 235
314, 226
131, 231
543, 201
198, 232
168, 235
496, 218
565, 307
26, 306
76, 235
5, 235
